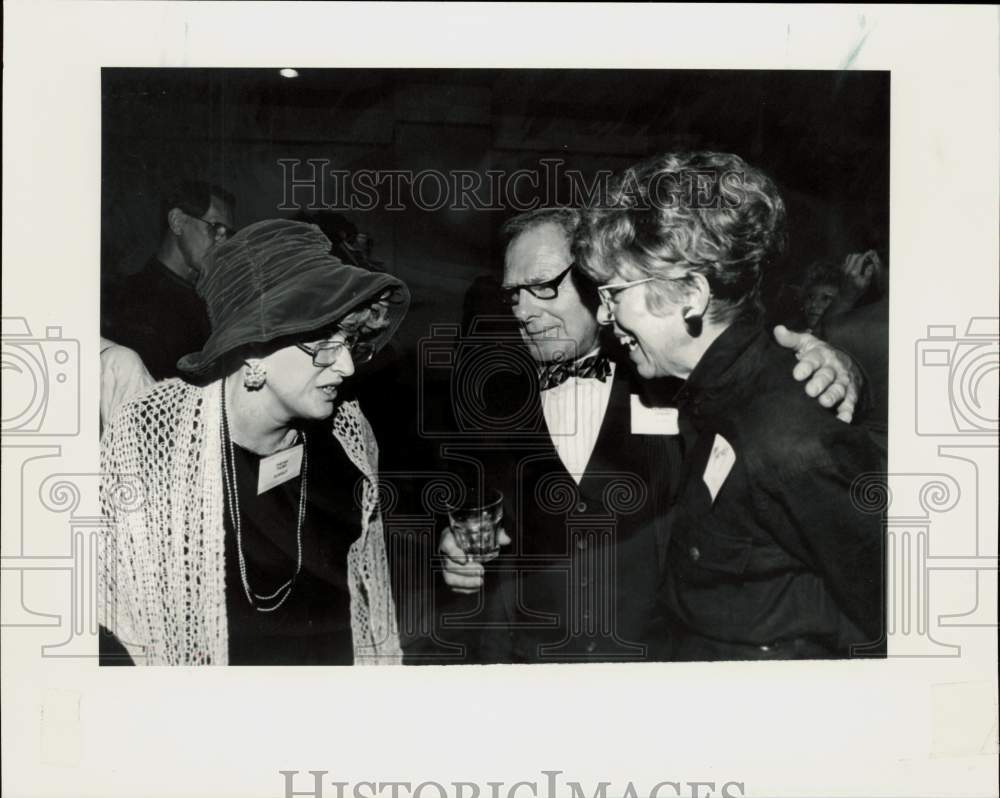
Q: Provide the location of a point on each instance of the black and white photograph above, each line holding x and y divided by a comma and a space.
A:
494, 366
501, 400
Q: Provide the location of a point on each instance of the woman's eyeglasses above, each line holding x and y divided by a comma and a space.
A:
325, 353
544, 290
609, 292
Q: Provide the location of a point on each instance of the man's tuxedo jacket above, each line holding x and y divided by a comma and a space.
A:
579, 581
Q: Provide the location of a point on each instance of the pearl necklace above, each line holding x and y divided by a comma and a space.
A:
229, 480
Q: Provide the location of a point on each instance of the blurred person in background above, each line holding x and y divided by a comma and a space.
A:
157, 311
858, 322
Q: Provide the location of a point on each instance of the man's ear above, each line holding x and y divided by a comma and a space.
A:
175, 221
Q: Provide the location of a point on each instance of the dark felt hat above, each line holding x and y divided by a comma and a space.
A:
277, 278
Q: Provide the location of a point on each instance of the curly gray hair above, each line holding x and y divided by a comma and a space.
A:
701, 212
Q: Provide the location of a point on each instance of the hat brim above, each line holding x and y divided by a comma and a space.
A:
320, 299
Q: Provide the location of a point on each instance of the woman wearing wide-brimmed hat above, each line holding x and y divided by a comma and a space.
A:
243, 501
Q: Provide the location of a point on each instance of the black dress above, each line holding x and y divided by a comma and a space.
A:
313, 625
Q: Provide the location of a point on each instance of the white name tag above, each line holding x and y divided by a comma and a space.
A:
720, 463
653, 420
279, 468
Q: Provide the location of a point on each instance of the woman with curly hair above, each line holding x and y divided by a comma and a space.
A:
252, 533
767, 556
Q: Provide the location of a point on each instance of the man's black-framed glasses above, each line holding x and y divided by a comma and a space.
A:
325, 353
219, 230
549, 289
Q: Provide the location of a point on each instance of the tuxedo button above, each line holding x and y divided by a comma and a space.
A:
695, 554
581, 507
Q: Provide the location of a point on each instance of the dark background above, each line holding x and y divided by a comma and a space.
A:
823, 135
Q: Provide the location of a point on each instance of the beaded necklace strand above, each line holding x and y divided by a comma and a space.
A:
229, 480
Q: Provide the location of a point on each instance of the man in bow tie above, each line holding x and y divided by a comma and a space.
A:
584, 496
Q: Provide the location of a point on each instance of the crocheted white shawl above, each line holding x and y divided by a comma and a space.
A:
161, 567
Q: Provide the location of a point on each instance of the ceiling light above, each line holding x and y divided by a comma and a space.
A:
288, 72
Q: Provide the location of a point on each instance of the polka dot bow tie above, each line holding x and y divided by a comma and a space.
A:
596, 367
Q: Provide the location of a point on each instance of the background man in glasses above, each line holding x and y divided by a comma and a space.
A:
585, 495
156, 312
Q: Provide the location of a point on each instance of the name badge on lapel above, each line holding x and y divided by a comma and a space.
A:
653, 420
720, 463
279, 468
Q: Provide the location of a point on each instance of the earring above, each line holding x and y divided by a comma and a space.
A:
693, 322
254, 375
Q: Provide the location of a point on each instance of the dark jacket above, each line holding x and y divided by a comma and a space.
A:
782, 563
160, 316
579, 581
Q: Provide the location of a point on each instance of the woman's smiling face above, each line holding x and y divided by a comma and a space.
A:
656, 338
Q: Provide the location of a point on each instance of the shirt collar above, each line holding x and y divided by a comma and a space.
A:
724, 368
